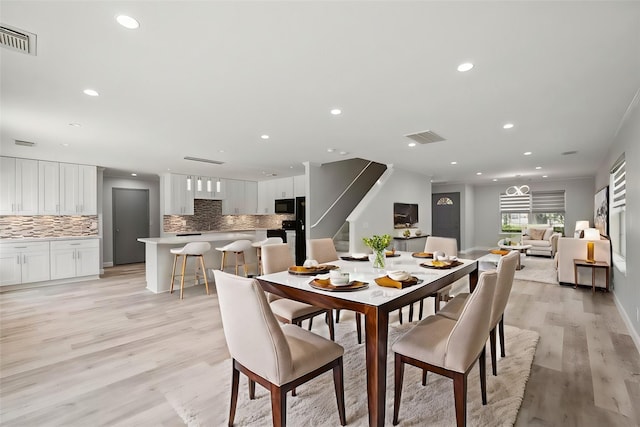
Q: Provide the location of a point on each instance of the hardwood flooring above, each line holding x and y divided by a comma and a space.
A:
107, 352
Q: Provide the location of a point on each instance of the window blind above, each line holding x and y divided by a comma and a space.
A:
515, 204
618, 183
548, 201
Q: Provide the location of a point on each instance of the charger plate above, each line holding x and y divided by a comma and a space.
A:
350, 258
441, 265
325, 285
422, 255
311, 271
388, 282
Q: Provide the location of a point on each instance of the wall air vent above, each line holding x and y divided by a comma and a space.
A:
425, 137
25, 143
16, 39
198, 159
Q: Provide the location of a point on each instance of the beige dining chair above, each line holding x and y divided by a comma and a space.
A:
278, 357
449, 347
259, 244
323, 250
276, 258
506, 271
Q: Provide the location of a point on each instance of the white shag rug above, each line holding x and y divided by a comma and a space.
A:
204, 399
538, 269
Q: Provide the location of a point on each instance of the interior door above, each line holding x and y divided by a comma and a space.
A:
445, 211
130, 222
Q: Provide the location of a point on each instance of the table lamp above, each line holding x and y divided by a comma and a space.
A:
591, 234
580, 226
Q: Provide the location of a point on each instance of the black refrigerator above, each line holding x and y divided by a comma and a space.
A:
301, 235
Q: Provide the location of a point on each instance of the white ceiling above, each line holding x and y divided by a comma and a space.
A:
198, 78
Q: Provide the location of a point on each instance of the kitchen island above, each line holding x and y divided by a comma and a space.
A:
159, 259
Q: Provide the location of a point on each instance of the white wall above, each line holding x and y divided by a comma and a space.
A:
579, 200
107, 210
626, 288
374, 215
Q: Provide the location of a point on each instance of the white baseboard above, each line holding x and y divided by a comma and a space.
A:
107, 264
634, 334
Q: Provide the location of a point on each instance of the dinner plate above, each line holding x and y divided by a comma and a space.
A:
441, 265
422, 255
311, 271
350, 258
325, 285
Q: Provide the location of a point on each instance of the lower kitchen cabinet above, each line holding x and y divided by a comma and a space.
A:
75, 258
24, 262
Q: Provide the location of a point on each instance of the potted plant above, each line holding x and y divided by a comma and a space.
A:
378, 244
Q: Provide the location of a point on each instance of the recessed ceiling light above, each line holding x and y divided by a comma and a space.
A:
134, 174
336, 111
264, 136
75, 125
545, 176
507, 126
330, 150
454, 163
91, 92
127, 22
291, 167
538, 167
220, 151
64, 144
527, 153
343, 153
412, 144
478, 173
495, 180
465, 67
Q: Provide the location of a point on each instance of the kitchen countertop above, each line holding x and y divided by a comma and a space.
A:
211, 236
45, 239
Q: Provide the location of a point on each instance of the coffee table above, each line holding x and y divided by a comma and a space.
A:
520, 248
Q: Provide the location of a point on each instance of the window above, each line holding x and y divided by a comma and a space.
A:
539, 207
617, 207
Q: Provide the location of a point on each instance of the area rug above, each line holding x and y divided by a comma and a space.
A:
204, 401
538, 269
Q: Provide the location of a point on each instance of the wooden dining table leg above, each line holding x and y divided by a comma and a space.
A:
376, 333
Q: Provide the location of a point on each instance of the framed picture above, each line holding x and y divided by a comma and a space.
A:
601, 211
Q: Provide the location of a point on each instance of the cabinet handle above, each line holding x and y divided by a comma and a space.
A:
73, 255
18, 260
74, 244
20, 247
24, 259
79, 253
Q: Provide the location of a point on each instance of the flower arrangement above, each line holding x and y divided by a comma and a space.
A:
378, 244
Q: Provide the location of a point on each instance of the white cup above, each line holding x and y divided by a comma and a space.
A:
338, 277
310, 263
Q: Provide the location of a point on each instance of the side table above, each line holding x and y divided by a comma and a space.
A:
520, 248
597, 264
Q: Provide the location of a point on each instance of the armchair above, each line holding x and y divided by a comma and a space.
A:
542, 239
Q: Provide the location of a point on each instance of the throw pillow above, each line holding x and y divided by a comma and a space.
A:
536, 233
547, 234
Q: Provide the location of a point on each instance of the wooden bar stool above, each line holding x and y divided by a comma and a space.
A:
238, 247
265, 242
194, 249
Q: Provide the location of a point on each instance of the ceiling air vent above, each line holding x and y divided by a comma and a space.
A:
19, 40
25, 143
198, 159
425, 137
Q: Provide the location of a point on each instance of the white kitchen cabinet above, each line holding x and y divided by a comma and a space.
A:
206, 187
75, 258
22, 262
179, 192
78, 189
241, 197
48, 188
299, 186
266, 196
284, 188
18, 186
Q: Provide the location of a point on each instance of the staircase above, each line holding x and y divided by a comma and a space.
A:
341, 239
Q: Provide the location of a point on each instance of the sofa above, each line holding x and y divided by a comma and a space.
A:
569, 249
542, 239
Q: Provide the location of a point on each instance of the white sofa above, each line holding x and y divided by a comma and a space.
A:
570, 249
545, 244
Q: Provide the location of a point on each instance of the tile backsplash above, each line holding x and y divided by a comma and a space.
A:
12, 227
207, 215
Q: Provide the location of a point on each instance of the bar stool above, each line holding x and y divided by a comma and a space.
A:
238, 247
265, 242
195, 249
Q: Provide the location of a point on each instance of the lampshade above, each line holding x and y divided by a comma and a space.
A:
591, 234
582, 225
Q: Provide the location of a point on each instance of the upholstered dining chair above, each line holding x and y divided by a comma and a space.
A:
324, 250
449, 347
275, 258
506, 270
259, 244
278, 357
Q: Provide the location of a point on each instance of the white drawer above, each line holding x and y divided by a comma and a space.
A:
75, 244
15, 247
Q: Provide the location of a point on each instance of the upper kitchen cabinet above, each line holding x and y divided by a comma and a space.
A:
48, 188
18, 186
78, 189
179, 192
209, 188
282, 188
241, 197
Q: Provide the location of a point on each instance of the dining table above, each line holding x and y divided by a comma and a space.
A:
375, 303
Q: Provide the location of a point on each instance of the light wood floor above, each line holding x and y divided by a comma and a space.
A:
105, 352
